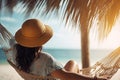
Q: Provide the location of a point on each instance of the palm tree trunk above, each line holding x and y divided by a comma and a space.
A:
85, 46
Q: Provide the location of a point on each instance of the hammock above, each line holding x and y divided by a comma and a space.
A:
5, 36
108, 66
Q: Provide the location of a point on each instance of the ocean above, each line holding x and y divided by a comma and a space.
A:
64, 55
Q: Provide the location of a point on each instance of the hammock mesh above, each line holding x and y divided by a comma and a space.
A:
108, 66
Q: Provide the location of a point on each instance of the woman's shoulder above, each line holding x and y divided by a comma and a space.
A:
48, 57
45, 54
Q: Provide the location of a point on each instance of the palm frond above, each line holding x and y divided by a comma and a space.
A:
79, 12
107, 17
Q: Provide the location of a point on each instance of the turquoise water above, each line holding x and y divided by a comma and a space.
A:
2, 57
64, 55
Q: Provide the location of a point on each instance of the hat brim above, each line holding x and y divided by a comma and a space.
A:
34, 41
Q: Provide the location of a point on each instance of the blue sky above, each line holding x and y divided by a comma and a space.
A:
64, 35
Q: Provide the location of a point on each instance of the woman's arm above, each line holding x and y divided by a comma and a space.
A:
65, 75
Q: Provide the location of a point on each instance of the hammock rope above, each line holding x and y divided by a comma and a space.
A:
107, 66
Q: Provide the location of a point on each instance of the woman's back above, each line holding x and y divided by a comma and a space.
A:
44, 65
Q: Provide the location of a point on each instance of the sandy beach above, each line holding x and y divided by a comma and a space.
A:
8, 73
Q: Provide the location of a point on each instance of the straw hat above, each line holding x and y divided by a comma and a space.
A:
33, 33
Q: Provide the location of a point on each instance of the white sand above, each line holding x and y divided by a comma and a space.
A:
8, 73
116, 76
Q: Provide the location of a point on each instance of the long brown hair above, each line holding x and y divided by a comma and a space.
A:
25, 56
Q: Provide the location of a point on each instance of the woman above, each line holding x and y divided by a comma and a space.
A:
28, 56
